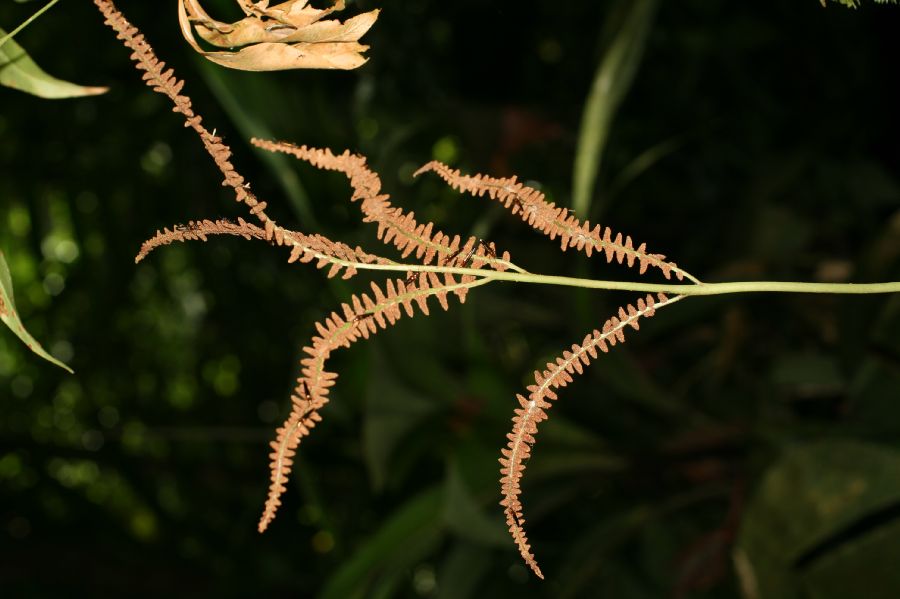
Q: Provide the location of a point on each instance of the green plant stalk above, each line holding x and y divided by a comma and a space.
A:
27, 22
670, 288
519, 275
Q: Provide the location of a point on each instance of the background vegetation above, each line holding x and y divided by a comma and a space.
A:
736, 446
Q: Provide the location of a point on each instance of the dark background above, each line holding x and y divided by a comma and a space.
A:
741, 446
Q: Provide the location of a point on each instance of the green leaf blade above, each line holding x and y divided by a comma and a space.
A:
19, 71
10, 317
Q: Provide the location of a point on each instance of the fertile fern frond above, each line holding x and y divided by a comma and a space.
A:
556, 221
363, 316
164, 82
335, 255
394, 224
199, 230
533, 409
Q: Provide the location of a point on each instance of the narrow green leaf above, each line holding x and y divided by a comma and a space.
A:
612, 81
10, 317
27, 22
18, 71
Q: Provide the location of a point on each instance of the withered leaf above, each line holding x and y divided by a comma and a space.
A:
294, 12
290, 35
269, 56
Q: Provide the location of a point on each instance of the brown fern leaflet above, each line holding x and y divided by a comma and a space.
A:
441, 265
533, 409
556, 221
362, 316
394, 225
336, 256
165, 82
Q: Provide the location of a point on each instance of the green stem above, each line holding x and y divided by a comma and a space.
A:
671, 288
521, 276
27, 22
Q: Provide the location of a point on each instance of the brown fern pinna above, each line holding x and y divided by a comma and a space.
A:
431, 264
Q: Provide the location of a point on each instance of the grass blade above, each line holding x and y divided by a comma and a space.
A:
612, 81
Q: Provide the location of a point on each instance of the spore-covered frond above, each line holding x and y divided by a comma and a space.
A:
394, 224
335, 255
194, 230
163, 80
556, 221
533, 409
363, 316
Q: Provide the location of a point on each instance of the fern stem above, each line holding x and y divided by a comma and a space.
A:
704, 288
786, 287
667, 288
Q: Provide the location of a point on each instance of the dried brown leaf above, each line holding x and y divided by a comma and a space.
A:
285, 10
298, 13
197, 14
290, 35
278, 57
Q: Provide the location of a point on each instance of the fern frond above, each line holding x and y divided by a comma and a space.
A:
533, 410
335, 255
556, 221
361, 317
394, 224
194, 230
164, 81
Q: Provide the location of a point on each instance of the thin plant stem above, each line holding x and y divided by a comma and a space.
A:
521, 276
27, 22
671, 288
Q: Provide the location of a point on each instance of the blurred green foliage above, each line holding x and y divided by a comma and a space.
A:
733, 446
